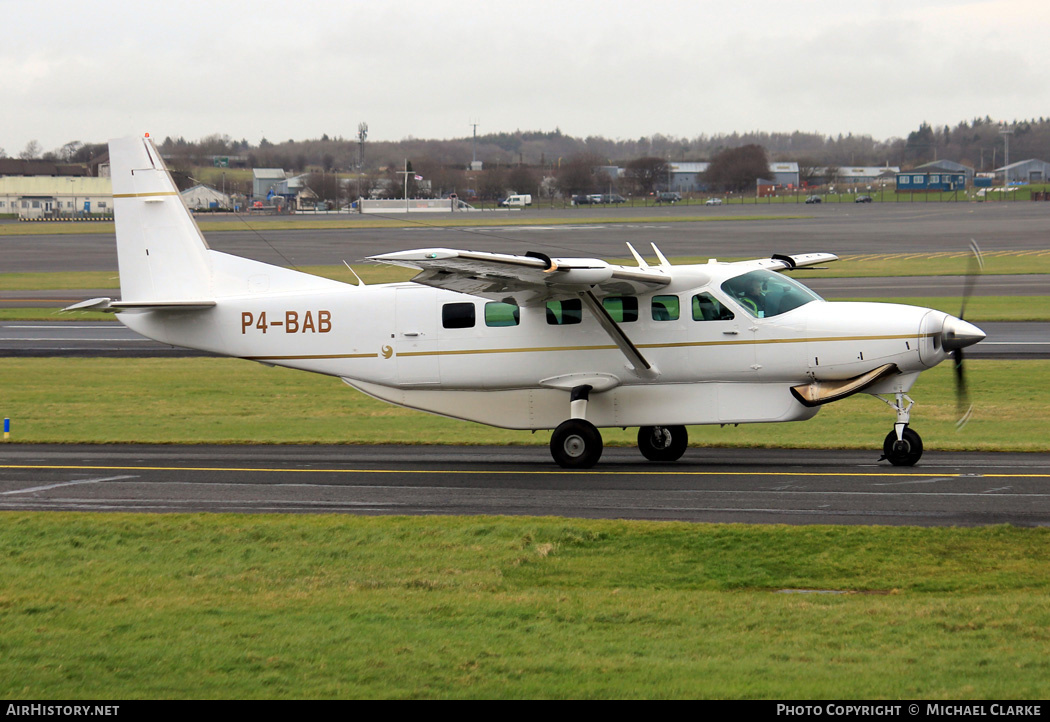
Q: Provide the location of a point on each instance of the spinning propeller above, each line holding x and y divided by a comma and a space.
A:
959, 335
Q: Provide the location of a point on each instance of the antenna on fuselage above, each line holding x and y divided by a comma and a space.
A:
349, 268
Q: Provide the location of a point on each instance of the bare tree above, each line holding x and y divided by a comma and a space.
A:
69, 151
577, 175
522, 179
492, 185
737, 169
645, 173
325, 185
31, 151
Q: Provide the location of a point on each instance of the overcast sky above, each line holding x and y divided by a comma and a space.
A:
93, 71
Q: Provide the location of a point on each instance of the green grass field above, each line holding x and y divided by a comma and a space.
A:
119, 606
228, 401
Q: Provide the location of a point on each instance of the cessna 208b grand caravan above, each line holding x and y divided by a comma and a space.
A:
529, 341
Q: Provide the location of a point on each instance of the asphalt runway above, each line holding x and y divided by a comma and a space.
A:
840, 228
707, 485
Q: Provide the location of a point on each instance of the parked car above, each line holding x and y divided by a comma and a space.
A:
582, 200
595, 198
668, 197
613, 198
812, 199
713, 202
862, 199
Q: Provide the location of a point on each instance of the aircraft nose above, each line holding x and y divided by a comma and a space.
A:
957, 334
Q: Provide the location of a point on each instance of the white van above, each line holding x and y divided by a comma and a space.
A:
516, 201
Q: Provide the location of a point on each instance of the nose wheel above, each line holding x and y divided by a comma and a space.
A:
904, 451
902, 447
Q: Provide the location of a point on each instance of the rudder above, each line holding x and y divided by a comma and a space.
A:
161, 253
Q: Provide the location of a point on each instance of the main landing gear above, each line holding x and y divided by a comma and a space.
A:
902, 447
577, 443
662, 443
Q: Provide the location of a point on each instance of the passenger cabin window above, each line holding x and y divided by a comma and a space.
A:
764, 293
621, 308
665, 308
708, 308
502, 314
457, 315
563, 313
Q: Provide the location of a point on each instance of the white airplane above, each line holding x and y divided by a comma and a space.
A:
531, 342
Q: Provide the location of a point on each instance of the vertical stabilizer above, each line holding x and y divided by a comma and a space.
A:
160, 251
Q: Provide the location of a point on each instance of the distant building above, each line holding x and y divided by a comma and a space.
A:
948, 165
19, 167
201, 197
686, 176
931, 178
785, 175
849, 175
55, 196
1024, 171
265, 180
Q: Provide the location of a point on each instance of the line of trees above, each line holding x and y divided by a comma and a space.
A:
975, 142
548, 162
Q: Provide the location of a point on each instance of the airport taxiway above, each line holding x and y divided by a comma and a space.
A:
707, 485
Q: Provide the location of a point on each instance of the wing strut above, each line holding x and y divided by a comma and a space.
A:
641, 366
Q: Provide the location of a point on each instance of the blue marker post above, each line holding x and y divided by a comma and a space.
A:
7, 428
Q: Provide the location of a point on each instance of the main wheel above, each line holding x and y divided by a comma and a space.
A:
662, 443
576, 444
905, 452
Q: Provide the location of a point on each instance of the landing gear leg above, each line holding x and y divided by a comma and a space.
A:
902, 447
577, 443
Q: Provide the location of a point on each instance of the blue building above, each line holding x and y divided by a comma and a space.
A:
931, 179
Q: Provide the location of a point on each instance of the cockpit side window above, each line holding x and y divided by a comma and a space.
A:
764, 294
708, 308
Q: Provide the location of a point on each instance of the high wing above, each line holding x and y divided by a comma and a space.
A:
780, 262
528, 280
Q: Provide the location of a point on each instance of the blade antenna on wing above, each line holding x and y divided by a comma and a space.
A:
637, 257
663, 259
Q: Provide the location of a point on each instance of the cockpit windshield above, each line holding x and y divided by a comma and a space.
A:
764, 293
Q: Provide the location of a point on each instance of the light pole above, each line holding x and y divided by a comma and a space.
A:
1006, 133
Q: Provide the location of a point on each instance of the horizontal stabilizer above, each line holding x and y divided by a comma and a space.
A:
110, 306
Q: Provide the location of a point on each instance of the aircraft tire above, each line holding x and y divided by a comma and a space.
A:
662, 443
905, 452
576, 444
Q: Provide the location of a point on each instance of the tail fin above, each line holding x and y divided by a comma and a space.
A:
161, 253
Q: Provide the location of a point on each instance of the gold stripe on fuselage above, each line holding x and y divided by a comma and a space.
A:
609, 347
